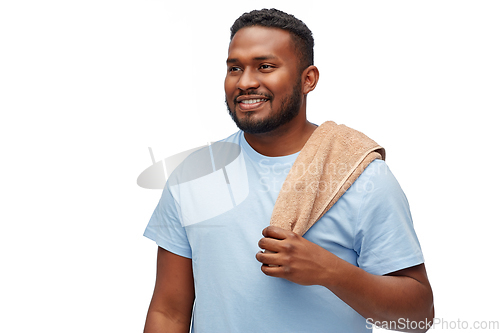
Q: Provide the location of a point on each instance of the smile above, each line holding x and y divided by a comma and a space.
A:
251, 104
253, 101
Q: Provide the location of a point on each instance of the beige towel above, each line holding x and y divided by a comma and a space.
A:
328, 164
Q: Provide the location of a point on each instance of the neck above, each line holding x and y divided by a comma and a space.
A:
285, 140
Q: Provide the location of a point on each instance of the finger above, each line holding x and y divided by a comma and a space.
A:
276, 232
268, 258
275, 271
270, 244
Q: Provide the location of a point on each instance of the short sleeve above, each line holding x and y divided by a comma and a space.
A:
385, 239
165, 228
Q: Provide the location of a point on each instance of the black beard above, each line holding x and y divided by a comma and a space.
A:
288, 110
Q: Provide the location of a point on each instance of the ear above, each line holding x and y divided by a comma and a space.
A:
310, 77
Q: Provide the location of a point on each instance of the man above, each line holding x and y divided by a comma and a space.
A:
359, 264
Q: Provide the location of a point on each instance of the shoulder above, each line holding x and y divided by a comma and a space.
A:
234, 138
204, 160
381, 198
378, 179
376, 193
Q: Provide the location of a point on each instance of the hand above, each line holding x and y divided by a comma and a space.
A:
294, 258
402, 294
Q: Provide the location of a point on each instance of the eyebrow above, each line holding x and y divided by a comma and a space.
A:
261, 58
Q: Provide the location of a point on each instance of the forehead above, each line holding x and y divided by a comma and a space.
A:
256, 41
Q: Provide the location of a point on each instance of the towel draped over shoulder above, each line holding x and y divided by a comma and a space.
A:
328, 164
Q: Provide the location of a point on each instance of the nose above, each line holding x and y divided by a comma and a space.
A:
248, 80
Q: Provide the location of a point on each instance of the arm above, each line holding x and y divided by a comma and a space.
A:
173, 296
403, 294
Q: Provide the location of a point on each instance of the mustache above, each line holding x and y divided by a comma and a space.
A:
252, 92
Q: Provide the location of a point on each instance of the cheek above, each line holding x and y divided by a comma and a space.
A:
229, 88
229, 85
280, 86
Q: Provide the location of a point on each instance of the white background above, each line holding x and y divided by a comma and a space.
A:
87, 86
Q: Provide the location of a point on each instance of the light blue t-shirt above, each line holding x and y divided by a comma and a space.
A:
213, 210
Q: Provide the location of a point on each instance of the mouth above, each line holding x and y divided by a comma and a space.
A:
250, 103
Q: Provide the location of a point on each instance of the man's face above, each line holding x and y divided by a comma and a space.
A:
263, 86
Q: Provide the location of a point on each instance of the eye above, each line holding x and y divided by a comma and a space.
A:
266, 67
233, 69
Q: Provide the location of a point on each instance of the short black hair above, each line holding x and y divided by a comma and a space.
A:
274, 18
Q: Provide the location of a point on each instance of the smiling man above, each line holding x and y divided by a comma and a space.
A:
266, 88
359, 264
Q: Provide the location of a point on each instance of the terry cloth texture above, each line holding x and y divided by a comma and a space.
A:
328, 164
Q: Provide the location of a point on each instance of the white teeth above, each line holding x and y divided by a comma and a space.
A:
251, 101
